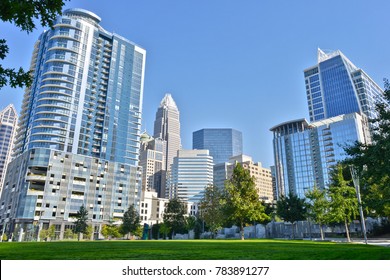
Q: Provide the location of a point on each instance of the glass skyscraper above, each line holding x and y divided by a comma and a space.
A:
79, 130
223, 143
341, 99
335, 86
305, 153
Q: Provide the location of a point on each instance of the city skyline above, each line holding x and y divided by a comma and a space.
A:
207, 54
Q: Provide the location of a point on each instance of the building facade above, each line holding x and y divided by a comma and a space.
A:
335, 86
191, 173
305, 153
8, 125
167, 128
341, 99
153, 164
79, 130
262, 176
223, 143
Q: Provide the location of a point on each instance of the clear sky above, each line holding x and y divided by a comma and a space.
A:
231, 63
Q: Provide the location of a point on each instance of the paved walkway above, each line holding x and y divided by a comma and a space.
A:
371, 241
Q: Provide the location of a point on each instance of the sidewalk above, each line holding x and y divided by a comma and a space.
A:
371, 241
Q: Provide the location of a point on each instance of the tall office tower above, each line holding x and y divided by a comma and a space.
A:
8, 123
262, 176
305, 153
152, 163
341, 98
191, 173
167, 128
78, 137
335, 86
223, 143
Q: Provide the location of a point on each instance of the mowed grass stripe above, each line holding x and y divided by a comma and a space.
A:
192, 250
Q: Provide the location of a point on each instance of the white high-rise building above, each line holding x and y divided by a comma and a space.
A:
191, 173
8, 124
167, 128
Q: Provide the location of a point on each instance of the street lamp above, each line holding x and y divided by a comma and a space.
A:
355, 179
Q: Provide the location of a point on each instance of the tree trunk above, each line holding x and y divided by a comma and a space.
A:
322, 232
242, 231
347, 230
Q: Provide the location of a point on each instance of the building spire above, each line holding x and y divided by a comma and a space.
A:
168, 101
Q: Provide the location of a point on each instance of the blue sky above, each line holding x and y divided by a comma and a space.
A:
230, 63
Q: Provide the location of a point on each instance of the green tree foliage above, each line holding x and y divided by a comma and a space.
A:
131, 221
174, 216
22, 13
242, 201
47, 234
81, 222
291, 209
190, 223
318, 207
110, 231
343, 205
88, 233
164, 230
69, 234
212, 208
373, 161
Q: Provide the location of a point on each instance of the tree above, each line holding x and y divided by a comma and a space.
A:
174, 216
211, 208
81, 222
190, 223
164, 230
22, 14
88, 233
47, 234
68, 234
372, 160
318, 207
110, 231
51, 232
243, 204
291, 209
131, 221
343, 205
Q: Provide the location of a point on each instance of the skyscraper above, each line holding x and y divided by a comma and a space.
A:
191, 173
335, 86
223, 143
78, 137
8, 123
305, 153
152, 163
167, 128
341, 99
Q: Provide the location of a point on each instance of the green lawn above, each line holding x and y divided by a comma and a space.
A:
192, 250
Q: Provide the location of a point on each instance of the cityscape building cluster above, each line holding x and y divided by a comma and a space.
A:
78, 140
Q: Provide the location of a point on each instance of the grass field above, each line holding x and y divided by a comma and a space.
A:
192, 250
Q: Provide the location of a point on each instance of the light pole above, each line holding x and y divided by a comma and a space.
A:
355, 179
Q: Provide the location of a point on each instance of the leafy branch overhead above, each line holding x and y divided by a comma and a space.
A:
22, 13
